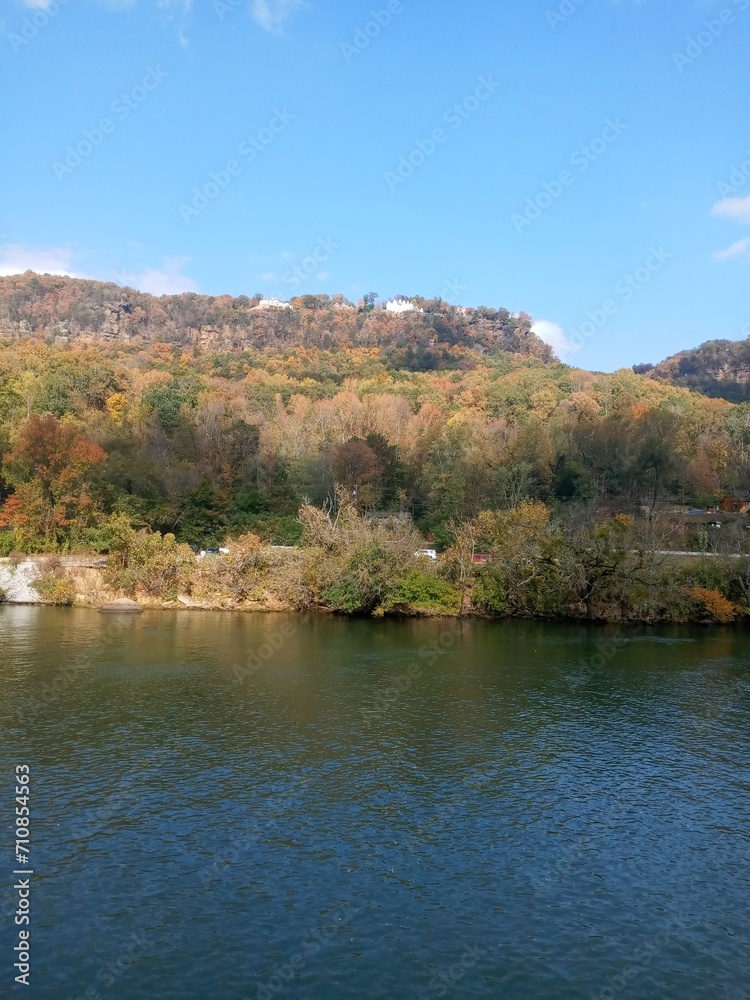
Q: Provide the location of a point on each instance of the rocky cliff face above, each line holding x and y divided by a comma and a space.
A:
16, 582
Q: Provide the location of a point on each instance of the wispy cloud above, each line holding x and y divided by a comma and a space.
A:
15, 259
554, 335
171, 11
272, 15
738, 249
169, 7
167, 280
733, 208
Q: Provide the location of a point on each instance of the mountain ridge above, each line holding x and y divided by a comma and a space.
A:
435, 332
719, 369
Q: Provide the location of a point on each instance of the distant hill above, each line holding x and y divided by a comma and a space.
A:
718, 368
434, 335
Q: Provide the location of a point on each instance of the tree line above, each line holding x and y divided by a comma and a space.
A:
204, 446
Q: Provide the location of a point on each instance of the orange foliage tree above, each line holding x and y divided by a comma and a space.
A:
49, 467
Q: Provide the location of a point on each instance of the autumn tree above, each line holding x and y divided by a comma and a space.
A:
523, 575
50, 468
354, 465
355, 565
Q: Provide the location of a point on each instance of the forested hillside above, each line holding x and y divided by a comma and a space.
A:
202, 443
718, 368
72, 310
334, 419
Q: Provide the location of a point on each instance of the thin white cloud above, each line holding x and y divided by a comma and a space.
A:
15, 259
272, 15
554, 335
171, 11
167, 280
738, 249
171, 7
733, 208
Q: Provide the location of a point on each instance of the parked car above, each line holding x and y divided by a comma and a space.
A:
714, 524
482, 558
427, 554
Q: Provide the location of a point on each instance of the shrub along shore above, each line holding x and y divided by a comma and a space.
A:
518, 563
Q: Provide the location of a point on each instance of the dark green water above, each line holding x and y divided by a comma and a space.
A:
511, 815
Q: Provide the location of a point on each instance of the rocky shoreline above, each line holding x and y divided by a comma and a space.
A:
17, 578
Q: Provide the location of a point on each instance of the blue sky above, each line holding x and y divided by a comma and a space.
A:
588, 163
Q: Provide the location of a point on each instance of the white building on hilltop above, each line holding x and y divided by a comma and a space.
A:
401, 305
273, 304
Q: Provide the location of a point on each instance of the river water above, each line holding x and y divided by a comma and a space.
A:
253, 806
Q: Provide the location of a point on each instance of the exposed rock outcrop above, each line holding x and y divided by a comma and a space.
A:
123, 605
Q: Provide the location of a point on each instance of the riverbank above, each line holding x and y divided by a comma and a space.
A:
20, 576
275, 582
81, 581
